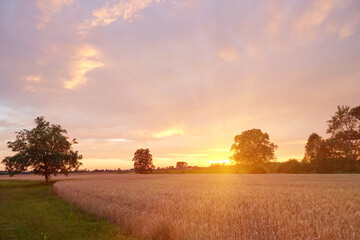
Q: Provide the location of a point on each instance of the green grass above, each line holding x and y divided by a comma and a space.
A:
30, 210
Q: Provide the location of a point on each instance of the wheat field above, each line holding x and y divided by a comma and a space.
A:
223, 206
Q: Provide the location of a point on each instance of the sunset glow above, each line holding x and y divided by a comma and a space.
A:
179, 77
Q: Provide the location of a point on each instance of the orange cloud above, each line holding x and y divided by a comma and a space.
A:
169, 132
33, 78
84, 60
306, 24
30, 88
127, 10
49, 7
254, 52
275, 17
348, 28
228, 55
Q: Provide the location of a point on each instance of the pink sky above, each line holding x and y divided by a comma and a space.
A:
179, 77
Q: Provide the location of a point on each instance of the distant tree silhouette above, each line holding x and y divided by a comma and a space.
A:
253, 148
45, 150
312, 147
181, 165
217, 165
143, 161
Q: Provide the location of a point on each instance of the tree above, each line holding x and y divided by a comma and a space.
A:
355, 112
344, 127
45, 149
181, 165
312, 147
143, 161
253, 148
330, 158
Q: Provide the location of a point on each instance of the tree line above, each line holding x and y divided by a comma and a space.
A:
252, 151
46, 150
339, 153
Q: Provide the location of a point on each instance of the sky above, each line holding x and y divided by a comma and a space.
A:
181, 78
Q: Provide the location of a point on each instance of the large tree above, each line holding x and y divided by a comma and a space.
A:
181, 165
344, 128
312, 147
340, 152
252, 147
355, 112
45, 150
331, 158
143, 161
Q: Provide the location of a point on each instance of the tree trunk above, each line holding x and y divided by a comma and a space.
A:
47, 178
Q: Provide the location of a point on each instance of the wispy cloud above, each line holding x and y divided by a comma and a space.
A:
48, 8
107, 139
169, 132
254, 52
30, 88
349, 28
33, 78
275, 18
118, 140
84, 60
306, 24
148, 135
228, 54
126, 10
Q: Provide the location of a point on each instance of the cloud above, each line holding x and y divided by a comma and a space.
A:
118, 140
107, 139
187, 155
349, 28
169, 132
127, 10
228, 55
33, 78
30, 88
84, 60
306, 23
275, 18
254, 52
49, 7
150, 135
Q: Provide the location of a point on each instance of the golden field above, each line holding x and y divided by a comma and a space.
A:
223, 206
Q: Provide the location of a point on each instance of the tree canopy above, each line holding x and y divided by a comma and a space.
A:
344, 128
252, 147
45, 150
143, 161
341, 151
312, 147
181, 165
